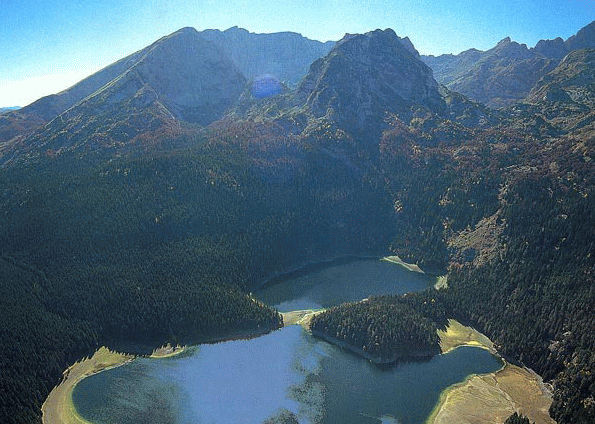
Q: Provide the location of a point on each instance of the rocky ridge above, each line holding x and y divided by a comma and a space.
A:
505, 74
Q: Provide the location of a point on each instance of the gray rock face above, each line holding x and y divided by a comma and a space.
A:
181, 77
554, 49
584, 39
573, 81
365, 77
285, 55
188, 76
498, 77
192, 77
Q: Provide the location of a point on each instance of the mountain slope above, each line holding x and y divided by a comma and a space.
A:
498, 77
365, 78
180, 79
284, 55
505, 74
33, 116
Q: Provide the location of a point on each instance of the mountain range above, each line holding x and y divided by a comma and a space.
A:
506, 73
285, 56
142, 205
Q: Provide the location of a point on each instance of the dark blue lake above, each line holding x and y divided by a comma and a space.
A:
343, 282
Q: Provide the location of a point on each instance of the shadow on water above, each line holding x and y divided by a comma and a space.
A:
340, 282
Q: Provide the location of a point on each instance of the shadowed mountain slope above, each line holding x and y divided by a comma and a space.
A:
365, 78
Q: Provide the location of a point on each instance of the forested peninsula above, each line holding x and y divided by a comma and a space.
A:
382, 329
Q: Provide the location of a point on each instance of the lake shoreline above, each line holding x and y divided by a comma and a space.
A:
489, 397
59, 408
374, 359
452, 407
494, 397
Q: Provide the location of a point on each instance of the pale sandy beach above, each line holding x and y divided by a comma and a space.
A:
59, 408
490, 398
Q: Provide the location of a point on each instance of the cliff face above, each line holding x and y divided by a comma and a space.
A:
285, 55
364, 78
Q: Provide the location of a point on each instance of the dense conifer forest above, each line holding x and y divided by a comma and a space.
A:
384, 329
163, 248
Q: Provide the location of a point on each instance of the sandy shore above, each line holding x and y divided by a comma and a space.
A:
303, 317
58, 408
490, 398
459, 335
396, 260
494, 397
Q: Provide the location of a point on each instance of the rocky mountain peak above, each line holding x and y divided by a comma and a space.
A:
583, 39
504, 42
286, 55
181, 77
366, 76
554, 49
193, 78
573, 80
409, 46
511, 50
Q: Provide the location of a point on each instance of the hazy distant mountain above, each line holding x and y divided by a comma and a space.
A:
180, 78
566, 95
574, 76
506, 73
284, 55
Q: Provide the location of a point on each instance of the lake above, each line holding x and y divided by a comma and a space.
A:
286, 376
340, 282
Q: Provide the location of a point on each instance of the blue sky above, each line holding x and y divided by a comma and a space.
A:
46, 46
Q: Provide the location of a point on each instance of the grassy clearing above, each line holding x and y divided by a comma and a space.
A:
489, 398
396, 260
58, 407
457, 335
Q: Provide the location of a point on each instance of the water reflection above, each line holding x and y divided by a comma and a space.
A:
285, 373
